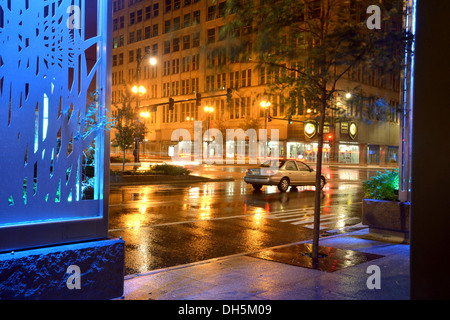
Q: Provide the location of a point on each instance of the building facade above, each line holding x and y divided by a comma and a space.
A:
177, 33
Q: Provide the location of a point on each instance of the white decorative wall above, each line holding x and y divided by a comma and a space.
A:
53, 57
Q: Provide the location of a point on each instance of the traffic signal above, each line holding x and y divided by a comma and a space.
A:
171, 104
199, 99
229, 94
290, 120
329, 137
269, 117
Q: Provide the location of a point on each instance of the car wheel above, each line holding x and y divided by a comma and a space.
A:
322, 182
257, 186
283, 185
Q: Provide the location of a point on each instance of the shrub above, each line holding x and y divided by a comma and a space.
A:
164, 169
169, 169
383, 186
118, 159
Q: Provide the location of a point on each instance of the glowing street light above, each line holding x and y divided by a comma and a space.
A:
141, 90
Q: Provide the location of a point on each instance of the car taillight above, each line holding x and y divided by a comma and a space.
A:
269, 172
246, 171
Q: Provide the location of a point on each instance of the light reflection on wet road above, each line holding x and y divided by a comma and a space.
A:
172, 224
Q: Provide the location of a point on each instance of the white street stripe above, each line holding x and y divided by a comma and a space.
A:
305, 217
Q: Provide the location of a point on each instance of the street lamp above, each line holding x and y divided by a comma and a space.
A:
145, 114
266, 105
140, 90
209, 111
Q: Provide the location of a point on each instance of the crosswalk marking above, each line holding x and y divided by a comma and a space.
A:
305, 217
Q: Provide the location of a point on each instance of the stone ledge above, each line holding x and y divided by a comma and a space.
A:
42, 273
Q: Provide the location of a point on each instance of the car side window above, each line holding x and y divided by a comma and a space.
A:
302, 167
290, 166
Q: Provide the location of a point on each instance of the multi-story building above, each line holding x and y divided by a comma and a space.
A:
176, 32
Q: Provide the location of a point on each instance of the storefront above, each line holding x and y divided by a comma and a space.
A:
307, 151
373, 154
348, 153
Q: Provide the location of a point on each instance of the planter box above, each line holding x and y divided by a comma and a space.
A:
387, 217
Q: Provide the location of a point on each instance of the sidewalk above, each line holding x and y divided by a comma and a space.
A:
245, 277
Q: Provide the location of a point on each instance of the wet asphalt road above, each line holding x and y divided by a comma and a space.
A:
172, 224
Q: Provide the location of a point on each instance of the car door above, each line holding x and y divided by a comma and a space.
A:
291, 171
307, 175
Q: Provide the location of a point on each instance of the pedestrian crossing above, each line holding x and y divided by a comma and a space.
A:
331, 216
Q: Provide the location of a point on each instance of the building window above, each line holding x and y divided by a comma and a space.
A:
131, 37
168, 6
131, 56
166, 47
211, 35
167, 26
139, 35
185, 64
222, 7
155, 50
196, 39
139, 16
186, 42
187, 20
166, 68
246, 78
176, 23
147, 32
195, 62
176, 4
176, 45
211, 13
197, 17
132, 15
195, 85
155, 9
209, 83
155, 30
148, 12
175, 66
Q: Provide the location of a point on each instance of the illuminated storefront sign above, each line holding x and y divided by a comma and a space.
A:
353, 130
310, 130
53, 81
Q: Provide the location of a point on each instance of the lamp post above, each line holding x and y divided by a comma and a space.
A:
140, 90
265, 104
209, 111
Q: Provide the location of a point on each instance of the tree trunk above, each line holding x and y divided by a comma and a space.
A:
123, 162
316, 230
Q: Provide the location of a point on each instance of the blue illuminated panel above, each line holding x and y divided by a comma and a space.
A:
54, 62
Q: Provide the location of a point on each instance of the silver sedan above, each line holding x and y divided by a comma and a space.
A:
287, 173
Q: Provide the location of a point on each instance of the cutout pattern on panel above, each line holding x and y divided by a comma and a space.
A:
51, 164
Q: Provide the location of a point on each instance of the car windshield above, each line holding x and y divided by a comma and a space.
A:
273, 163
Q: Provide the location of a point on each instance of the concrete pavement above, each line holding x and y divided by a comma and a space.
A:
245, 277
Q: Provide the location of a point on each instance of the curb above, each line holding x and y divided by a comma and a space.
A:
161, 179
